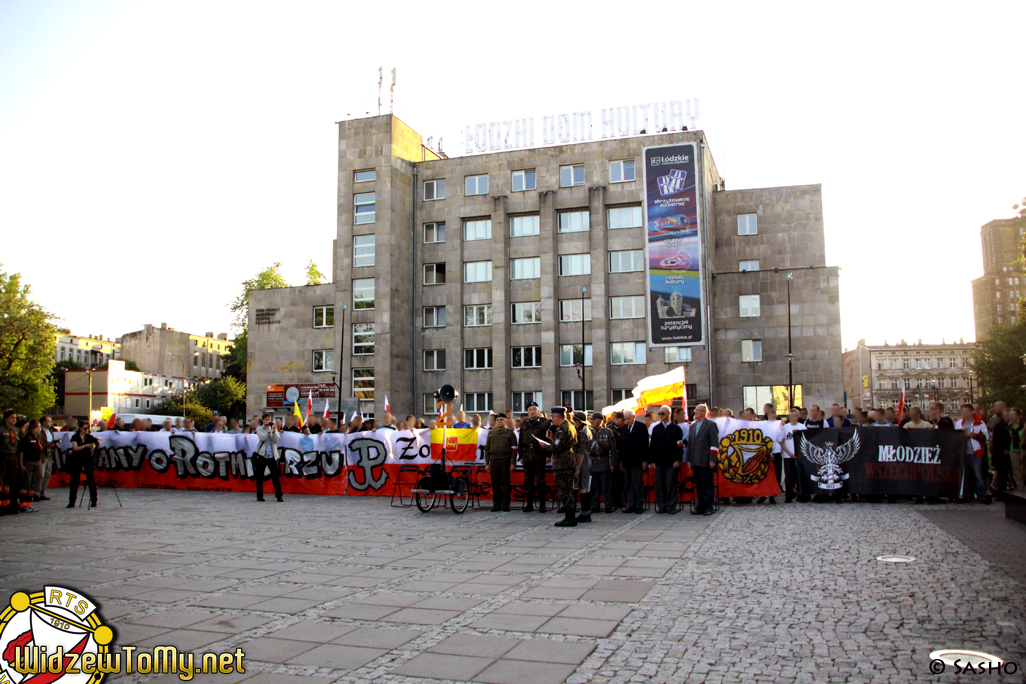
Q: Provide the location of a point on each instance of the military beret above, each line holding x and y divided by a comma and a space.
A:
557, 410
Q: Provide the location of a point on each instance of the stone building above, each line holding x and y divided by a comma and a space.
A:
469, 271
125, 391
166, 351
875, 375
89, 350
996, 294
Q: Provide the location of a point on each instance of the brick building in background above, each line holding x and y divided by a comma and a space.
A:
996, 294
469, 270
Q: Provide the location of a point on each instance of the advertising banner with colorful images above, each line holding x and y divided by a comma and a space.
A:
745, 461
329, 463
887, 461
673, 248
281, 396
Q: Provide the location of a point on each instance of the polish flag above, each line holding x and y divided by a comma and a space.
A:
388, 409
327, 413
309, 406
901, 406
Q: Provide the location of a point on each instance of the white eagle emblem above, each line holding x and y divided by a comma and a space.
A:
830, 474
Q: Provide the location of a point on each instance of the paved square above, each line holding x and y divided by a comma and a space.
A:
331, 589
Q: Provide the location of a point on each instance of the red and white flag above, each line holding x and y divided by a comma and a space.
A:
388, 409
327, 413
309, 406
901, 406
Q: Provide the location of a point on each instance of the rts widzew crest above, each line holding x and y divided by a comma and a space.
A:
39, 624
829, 459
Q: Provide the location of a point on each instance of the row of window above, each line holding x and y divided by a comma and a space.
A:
570, 175
925, 383
908, 364
82, 356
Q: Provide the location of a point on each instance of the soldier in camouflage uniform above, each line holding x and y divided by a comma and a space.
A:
563, 447
585, 439
533, 457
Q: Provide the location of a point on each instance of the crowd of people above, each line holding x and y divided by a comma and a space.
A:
601, 459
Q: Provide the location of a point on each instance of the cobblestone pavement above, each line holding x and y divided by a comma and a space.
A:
350, 590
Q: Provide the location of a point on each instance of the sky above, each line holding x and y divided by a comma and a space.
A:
153, 155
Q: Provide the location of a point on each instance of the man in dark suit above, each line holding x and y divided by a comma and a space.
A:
666, 451
703, 449
634, 461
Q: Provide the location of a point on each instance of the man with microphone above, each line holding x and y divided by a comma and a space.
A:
266, 456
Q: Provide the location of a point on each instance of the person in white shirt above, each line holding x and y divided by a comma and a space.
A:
770, 412
167, 426
792, 487
977, 433
916, 421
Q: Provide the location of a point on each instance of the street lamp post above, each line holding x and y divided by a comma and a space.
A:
341, 355
584, 392
790, 354
182, 359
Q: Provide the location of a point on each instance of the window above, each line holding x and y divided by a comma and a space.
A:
894, 384
477, 271
519, 226
323, 360
363, 250
477, 230
748, 306
997, 295
434, 359
751, 351
624, 217
430, 407
749, 265
570, 176
940, 362
575, 264
363, 383
524, 180
477, 185
147, 403
965, 362
908, 383
758, 395
574, 222
570, 355
434, 316
477, 359
524, 269
573, 400
434, 190
364, 204
364, 176
525, 312
905, 364
526, 357
520, 400
627, 261
627, 307
676, 354
137, 403
363, 339
477, 402
570, 310
621, 394
434, 274
363, 293
476, 315
919, 364
324, 316
195, 359
434, 232
621, 171
627, 353
747, 224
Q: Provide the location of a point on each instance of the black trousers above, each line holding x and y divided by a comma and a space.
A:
75, 466
703, 488
601, 485
791, 484
1003, 466
634, 487
665, 487
499, 471
534, 481
259, 463
778, 465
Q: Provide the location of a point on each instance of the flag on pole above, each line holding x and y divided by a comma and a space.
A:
901, 406
309, 405
327, 413
388, 409
355, 413
297, 414
460, 444
660, 389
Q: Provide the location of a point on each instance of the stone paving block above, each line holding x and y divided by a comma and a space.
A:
230, 624
441, 666
338, 657
172, 619
622, 591
510, 622
384, 598
520, 671
549, 651
448, 603
360, 611
275, 650
184, 639
476, 589
579, 626
228, 601
318, 632
376, 637
532, 608
284, 605
475, 645
421, 616
592, 612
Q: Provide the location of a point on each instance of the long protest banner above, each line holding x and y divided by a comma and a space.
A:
886, 461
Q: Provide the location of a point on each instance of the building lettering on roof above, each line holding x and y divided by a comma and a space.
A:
575, 127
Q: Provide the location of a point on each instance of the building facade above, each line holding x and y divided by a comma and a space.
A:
477, 271
164, 350
996, 294
876, 375
89, 350
123, 390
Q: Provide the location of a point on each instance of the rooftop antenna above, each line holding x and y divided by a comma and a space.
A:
381, 78
391, 104
440, 146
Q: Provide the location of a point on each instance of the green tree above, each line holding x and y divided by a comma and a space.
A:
313, 274
268, 279
999, 365
27, 344
200, 414
227, 396
236, 364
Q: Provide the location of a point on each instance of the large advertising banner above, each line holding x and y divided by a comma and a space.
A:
673, 248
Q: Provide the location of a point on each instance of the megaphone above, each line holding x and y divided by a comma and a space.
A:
446, 393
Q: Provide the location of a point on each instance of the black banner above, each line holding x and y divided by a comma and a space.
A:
881, 461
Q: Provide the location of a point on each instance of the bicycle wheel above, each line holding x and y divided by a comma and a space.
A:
425, 501
460, 496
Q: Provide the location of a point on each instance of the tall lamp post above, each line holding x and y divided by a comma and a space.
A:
584, 392
182, 359
790, 354
341, 355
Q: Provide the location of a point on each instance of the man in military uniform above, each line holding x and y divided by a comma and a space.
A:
562, 445
499, 458
604, 457
533, 457
582, 481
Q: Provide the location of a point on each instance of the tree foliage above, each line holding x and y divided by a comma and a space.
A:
267, 279
236, 365
313, 274
193, 409
27, 344
227, 396
999, 365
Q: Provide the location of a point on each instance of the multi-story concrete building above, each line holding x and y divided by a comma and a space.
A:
89, 350
875, 375
165, 350
123, 390
996, 294
469, 271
